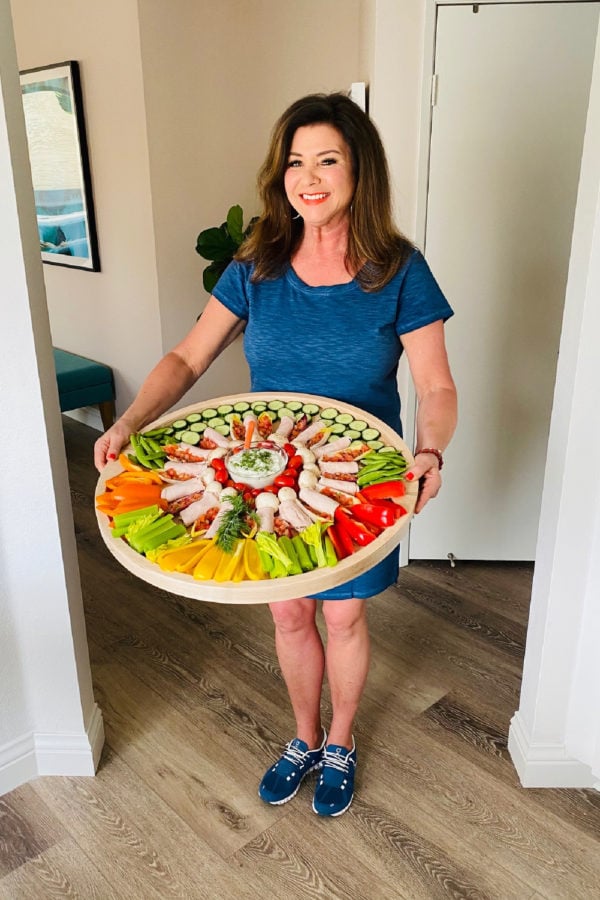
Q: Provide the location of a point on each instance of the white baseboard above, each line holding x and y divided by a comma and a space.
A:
38, 753
545, 765
87, 415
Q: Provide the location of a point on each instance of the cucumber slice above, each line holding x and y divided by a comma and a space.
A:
353, 435
370, 434
358, 425
169, 430
241, 407
276, 405
208, 413
311, 409
286, 411
179, 425
388, 450
259, 406
223, 429
344, 418
229, 417
224, 409
193, 417
178, 434
294, 405
216, 422
190, 437
329, 413
373, 444
198, 427
336, 429
356, 443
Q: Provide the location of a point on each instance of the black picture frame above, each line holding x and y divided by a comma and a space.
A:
60, 166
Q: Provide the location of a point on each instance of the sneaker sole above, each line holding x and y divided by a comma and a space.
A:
291, 796
332, 815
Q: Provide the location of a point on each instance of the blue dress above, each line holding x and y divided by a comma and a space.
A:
335, 341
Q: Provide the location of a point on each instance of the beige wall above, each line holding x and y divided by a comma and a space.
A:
216, 76
111, 315
179, 98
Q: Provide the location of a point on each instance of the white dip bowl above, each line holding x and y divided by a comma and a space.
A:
257, 466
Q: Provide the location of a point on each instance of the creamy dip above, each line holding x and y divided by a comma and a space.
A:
256, 466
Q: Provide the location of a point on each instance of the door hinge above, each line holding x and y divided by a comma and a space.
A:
434, 89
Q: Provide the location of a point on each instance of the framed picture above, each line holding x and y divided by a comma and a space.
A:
60, 168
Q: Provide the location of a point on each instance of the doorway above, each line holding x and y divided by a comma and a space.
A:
509, 98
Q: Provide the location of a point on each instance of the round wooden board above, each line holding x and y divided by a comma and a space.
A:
274, 589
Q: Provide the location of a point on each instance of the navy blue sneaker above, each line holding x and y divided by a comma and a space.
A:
281, 782
335, 787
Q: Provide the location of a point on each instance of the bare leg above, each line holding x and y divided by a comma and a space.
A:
347, 656
302, 660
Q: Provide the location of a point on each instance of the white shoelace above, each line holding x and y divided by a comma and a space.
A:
337, 761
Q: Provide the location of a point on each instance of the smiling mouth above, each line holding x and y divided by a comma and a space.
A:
314, 198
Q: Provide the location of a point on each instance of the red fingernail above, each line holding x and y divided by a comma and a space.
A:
410, 476
112, 456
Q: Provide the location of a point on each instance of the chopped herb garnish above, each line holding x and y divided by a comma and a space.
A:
234, 523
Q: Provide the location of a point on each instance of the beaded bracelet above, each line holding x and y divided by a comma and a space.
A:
436, 453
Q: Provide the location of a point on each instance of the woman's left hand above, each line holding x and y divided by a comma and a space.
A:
426, 470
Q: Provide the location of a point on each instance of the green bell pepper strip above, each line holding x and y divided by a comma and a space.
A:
330, 554
312, 536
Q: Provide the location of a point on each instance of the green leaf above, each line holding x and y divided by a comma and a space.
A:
215, 244
235, 224
211, 275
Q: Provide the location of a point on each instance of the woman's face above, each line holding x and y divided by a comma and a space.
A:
319, 181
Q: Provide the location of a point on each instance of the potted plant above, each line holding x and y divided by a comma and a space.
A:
220, 244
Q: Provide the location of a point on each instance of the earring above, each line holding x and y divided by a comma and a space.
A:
297, 216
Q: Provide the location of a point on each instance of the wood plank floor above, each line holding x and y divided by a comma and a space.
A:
195, 708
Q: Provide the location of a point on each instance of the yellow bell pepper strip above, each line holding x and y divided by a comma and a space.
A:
207, 565
171, 558
188, 567
252, 561
229, 563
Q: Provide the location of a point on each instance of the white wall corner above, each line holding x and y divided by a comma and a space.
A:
541, 765
35, 754
71, 754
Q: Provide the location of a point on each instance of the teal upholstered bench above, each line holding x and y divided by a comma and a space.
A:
83, 382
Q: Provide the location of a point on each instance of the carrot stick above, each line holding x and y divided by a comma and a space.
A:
249, 433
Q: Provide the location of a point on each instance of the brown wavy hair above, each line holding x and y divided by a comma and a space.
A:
376, 249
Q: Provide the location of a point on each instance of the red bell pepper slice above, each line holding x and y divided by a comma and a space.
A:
357, 531
385, 490
374, 514
342, 547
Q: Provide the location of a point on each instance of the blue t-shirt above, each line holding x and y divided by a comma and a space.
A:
337, 341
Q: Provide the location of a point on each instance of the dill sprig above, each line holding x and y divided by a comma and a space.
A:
234, 523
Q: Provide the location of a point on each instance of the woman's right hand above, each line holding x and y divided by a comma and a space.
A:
110, 444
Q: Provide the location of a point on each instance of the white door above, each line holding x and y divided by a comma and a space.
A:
507, 134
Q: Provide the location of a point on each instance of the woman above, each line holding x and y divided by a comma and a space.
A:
329, 295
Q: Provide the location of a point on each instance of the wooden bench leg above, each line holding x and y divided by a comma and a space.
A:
107, 413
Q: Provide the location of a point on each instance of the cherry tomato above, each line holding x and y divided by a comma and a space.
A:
247, 495
239, 487
296, 461
285, 481
292, 473
221, 476
256, 491
290, 449
271, 489
218, 464
230, 483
